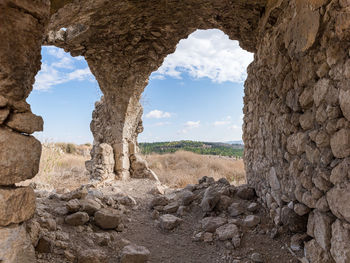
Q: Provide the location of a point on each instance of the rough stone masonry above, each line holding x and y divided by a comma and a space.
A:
297, 100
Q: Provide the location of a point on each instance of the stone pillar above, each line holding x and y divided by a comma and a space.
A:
21, 33
116, 120
297, 122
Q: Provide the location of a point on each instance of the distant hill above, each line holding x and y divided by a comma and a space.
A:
235, 142
210, 148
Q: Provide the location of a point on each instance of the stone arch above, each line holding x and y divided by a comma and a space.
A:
296, 129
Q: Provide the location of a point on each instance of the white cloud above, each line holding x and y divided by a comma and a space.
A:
60, 68
192, 124
207, 53
157, 114
235, 127
225, 121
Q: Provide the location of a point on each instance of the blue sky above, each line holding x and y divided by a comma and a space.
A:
196, 94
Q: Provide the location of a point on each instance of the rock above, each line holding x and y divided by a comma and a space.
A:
73, 205
322, 204
251, 221
210, 199
245, 192
210, 224
171, 208
235, 209
182, 210
301, 209
322, 229
15, 245
297, 241
338, 200
33, 230
340, 243
208, 237
3, 101
185, 197
44, 245
340, 173
344, 101
48, 223
25, 122
159, 201
107, 218
227, 231
340, 143
155, 214
252, 207
16, 205
257, 257
169, 222
89, 206
77, 219
92, 256
314, 253
223, 203
25, 157
126, 200
4, 113
134, 254
76, 194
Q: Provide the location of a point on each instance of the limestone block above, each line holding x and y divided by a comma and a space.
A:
16, 205
340, 143
322, 229
344, 100
296, 143
15, 245
25, 122
314, 253
19, 157
340, 249
338, 200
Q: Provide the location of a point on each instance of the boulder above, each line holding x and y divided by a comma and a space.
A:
210, 199
159, 201
169, 222
210, 224
171, 208
340, 143
340, 248
251, 221
338, 200
227, 231
235, 209
134, 254
19, 157
185, 197
15, 245
26, 122
245, 192
314, 253
92, 256
16, 205
73, 205
77, 219
322, 229
107, 218
89, 206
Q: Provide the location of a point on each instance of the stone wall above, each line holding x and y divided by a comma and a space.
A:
296, 124
21, 32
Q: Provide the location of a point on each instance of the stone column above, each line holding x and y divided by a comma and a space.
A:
21, 32
116, 120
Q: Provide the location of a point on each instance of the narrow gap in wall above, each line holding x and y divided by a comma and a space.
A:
64, 94
193, 111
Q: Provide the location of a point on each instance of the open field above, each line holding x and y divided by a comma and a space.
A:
62, 166
181, 168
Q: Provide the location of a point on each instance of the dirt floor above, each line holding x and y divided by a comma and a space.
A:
87, 243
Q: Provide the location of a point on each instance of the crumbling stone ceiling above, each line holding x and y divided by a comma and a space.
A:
99, 21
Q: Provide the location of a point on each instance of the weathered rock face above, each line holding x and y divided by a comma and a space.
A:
16, 205
15, 245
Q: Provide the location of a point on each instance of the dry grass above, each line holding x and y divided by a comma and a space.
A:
62, 166
181, 168
59, 169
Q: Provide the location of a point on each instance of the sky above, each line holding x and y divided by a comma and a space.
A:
197, 94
